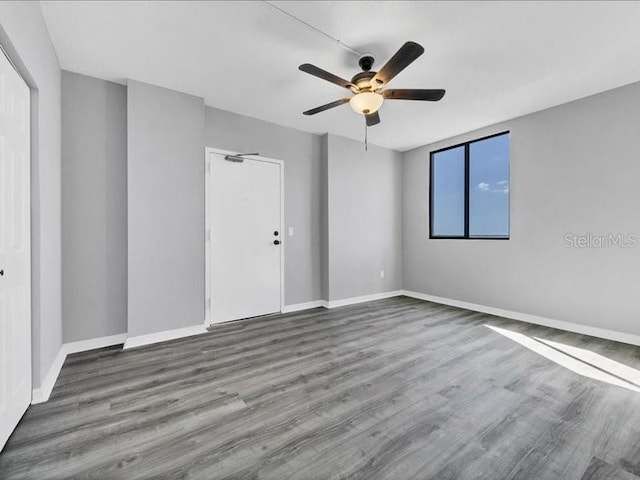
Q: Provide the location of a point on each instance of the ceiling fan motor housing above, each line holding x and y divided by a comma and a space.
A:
362, 80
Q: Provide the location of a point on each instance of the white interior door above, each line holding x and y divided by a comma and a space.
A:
15, 250
246, 234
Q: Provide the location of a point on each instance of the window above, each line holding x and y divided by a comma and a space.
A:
469, 190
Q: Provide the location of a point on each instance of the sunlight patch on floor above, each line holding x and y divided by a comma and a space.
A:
579, 360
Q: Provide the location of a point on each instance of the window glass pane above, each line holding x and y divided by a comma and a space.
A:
489, 187
447, 209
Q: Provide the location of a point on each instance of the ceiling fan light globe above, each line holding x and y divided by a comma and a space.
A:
366, 103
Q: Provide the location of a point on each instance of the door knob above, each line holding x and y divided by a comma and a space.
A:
1, 273
275, 233
276, 242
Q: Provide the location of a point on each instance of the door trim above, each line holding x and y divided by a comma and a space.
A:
7, 51
207, 226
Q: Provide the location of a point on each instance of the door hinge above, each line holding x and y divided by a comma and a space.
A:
208, 166
209, 303
208, 235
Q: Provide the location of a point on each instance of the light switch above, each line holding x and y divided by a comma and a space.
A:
291, 231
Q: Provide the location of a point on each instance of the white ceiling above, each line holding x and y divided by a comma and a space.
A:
497, 60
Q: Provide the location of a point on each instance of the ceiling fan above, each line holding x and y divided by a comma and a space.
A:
369, 86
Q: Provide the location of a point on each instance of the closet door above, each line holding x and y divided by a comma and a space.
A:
15, 250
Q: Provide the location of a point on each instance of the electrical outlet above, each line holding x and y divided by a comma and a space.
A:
291, 231
381, 273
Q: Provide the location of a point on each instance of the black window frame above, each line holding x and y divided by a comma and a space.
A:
465, 236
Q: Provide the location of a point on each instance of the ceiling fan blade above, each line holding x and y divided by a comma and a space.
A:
372, 119
413, 94
401, 60
322, 108
324, 75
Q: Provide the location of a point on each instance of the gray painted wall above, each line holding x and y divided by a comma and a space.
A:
364, 200
25, 37
574, 169
301, 154
356, 213
94, 207
165, 191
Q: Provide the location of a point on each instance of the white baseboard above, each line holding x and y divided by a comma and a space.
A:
93, 343
141, 340
42, 393
525, 317
343, 302
364, 298
296, 307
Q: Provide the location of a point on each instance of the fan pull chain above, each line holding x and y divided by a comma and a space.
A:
366, 141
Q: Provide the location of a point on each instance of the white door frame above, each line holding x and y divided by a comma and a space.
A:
208, 226
28, 232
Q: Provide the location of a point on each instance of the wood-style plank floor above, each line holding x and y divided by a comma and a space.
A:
392, 389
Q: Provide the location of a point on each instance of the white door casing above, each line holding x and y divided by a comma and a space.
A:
15, 249
244, 211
